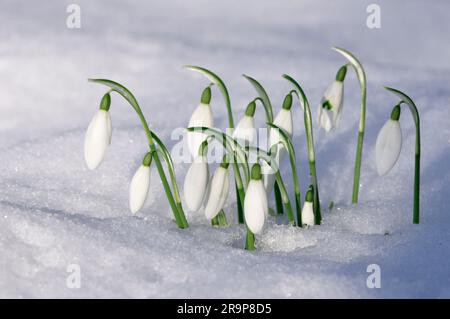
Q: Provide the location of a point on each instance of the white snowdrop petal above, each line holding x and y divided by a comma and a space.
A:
245, 129
308, 214
97, 139
139, 187
202, 116
255, 206
388, 146
218, 193
329, 119
195, 183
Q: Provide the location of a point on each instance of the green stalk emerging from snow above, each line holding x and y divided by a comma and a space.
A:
223, 89
362, 120
156, 149
415, 113
310, 145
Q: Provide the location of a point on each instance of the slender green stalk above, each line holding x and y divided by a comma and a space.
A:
265, 100
362, 120
287, 143
304, 104
214, 78
415, 113
220, 220
129, 97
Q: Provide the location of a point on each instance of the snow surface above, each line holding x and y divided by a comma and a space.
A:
55, 212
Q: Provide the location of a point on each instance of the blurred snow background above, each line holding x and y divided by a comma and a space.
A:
54, 212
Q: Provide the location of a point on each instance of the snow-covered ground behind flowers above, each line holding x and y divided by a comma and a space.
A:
55, 212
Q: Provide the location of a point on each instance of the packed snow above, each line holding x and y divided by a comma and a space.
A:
55, 212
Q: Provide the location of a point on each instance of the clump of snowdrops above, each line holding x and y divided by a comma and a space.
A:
255, 168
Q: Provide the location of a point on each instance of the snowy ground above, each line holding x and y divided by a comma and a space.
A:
55, 212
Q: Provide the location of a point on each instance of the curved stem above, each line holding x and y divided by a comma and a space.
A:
287, 142
415, 113
310, 145
362, 120
262, 155
262, 96
129, 97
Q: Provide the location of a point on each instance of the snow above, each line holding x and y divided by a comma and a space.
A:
54, 212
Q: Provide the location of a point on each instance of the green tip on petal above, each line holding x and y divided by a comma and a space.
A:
395, 114
287, 103
147, 159
309, 197
206, 96
340, 75
203, 149
105, 103
327, 105
250, 110
256, 171
225, 162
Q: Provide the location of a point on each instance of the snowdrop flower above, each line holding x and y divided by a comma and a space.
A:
255, 202
202, 116
218, 192
98, 135
196, 180
245, 129
308, 210
140, 185
284, 121
389, 143
330, 108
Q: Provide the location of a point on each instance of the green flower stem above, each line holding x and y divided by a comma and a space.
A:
415, 113
265, 100
129, 97
287, 143
362, 120
278, 198
265, 156
214, 78
310, 145
239, 155
220, 220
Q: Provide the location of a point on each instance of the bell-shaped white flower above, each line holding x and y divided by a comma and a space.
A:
98, 135
203, 117
308, 210
196, 183
255, 202
218, 191
389, 143
140, 185
330, 108
282, 120
245, 129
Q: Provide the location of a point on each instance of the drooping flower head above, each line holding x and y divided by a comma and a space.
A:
284, 121
196, 180
308, 209
140, 184
255, 202
98, 135
389, 143
245, 129
201, 117
330, 108
219, 188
